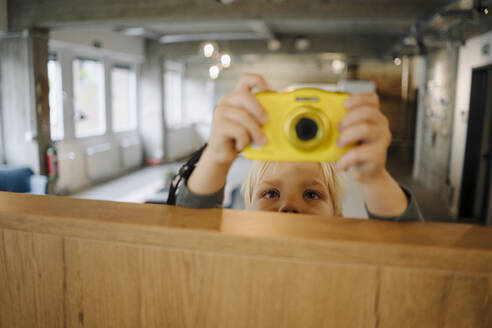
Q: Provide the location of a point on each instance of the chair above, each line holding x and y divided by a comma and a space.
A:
23, 180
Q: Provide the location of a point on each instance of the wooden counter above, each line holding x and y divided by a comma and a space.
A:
80, 263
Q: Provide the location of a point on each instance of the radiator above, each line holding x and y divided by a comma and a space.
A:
130, 153
102, 161
181, 143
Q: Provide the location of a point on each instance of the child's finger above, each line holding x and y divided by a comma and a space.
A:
361, 155
237, 133
244, 118
368, 99
359, 133
363, 114
249, 81
248, 102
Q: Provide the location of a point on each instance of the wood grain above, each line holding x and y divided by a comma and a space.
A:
31, 280
78, 263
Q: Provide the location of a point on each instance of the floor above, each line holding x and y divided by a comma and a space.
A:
143, 185
135, 187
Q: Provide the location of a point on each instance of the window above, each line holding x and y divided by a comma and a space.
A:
124, 99
173, 97
89, 98
188, 99
198, 100
55, 98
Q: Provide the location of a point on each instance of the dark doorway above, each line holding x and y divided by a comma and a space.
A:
475, 200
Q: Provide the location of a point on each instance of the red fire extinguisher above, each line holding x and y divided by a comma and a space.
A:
52, 163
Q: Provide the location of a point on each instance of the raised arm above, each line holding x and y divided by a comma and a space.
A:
237, 123
367, 127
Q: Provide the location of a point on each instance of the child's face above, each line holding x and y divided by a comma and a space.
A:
293, 187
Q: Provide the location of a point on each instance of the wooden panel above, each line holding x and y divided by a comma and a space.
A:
410, 298
31, 280
77, 263
469, 302
461, 248
155, 287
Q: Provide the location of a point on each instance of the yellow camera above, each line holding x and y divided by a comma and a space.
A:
302, 126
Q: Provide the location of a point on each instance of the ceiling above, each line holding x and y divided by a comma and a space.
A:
350, 22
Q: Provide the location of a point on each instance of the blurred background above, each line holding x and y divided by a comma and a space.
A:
106, 99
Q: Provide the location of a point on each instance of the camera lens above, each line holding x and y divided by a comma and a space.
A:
306, 129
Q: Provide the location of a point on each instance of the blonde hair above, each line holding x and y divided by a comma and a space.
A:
334, 182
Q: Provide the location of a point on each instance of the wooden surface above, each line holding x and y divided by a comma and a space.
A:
80, 263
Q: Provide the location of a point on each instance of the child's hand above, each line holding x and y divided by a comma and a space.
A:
367, 128
237, 121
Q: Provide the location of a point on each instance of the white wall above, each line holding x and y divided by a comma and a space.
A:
181, 142
77, 168
280, 71
470, 57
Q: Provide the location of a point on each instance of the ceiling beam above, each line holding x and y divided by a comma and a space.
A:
353, 46
262, 29
195, 37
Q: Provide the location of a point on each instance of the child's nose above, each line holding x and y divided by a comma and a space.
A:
288, 210
289, 207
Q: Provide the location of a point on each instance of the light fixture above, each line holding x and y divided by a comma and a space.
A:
208, 49
397, 61
225, 2
214, 71
302, 43
338, 65
225, 59
274, 44
134, 31
482, 10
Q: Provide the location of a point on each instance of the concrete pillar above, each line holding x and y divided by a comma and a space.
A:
152, 125
25, 99
3, 17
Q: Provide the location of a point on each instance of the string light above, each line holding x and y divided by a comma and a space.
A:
214, 71
225, 59
208, 50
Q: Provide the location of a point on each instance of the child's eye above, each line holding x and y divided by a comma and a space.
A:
272, 193
311, 194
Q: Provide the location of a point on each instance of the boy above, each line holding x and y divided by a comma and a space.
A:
298, 187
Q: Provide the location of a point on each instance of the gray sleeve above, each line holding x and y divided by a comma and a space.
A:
412, 213
186, 198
